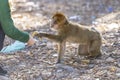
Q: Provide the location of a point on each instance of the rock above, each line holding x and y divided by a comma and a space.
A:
118, 65
4, 78
65, 67
112, 69
76, 17
110, 59
91, 66
97, 79
118, 74
85, 61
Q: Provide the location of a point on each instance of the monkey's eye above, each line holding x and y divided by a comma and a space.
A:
55, 21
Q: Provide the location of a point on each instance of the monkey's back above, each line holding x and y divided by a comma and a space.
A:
80, 34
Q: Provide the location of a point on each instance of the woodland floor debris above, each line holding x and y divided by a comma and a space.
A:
38, 62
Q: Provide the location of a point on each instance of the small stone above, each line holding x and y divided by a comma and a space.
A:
59, 70
110, 59
91, 66
4, 78
113, 69
55, 55
85, 61
118, 74
97, 79
118, 65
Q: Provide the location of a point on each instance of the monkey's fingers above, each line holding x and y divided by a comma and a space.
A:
35, 33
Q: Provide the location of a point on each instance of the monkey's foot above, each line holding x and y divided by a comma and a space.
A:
59, 61
93, 56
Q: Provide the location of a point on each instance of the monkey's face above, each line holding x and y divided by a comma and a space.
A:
58, 20
55, 24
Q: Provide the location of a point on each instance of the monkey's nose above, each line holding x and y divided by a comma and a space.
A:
52, 25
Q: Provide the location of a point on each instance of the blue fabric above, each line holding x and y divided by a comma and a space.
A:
17, 45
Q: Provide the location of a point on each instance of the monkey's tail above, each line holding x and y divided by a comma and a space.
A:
100, 30
103, 28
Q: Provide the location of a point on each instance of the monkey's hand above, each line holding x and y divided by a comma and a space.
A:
36, 33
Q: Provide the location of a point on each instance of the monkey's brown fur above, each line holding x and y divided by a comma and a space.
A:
89, 40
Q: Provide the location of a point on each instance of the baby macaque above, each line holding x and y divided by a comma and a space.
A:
89, 39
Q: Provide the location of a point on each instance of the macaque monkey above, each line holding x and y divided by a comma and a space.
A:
89, 40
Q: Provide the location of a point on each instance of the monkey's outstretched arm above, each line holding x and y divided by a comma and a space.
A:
55, 38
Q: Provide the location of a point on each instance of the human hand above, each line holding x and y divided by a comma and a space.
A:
31, 41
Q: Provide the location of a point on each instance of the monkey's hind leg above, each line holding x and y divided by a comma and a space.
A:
95, 49
83, 50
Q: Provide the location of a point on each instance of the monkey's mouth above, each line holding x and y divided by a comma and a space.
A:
55, 27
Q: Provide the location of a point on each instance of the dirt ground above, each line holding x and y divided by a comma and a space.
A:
39, 61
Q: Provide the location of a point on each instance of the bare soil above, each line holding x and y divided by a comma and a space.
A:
38, 62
